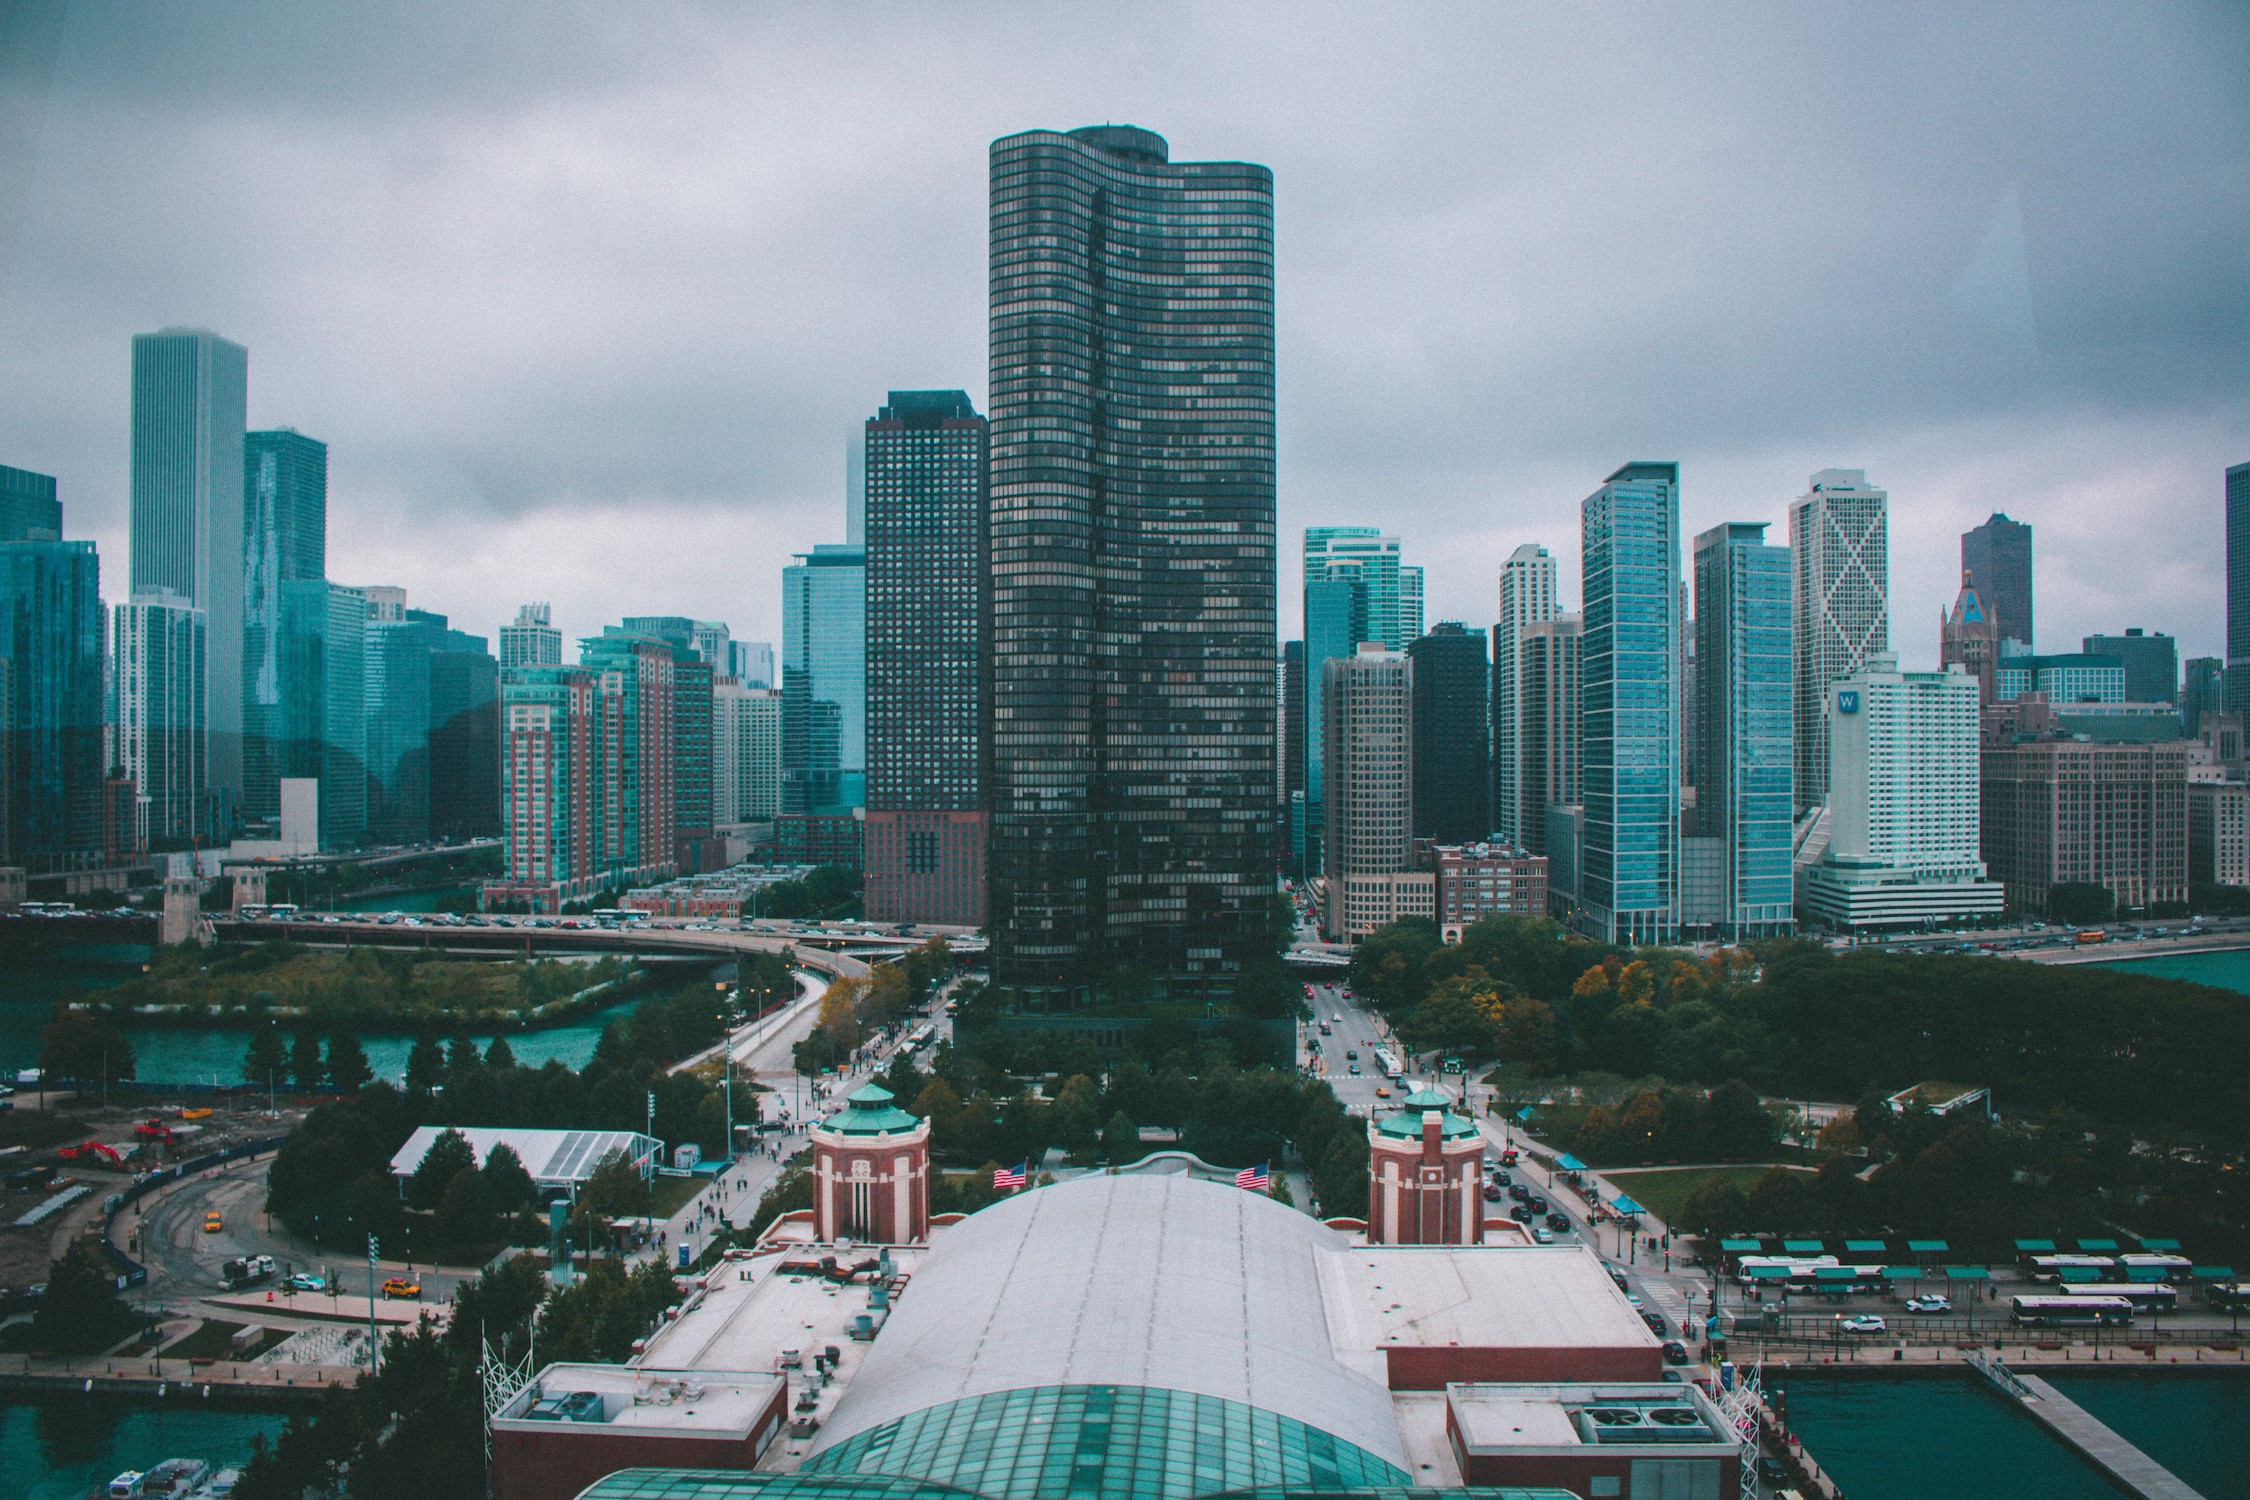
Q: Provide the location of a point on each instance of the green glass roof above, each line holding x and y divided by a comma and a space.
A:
1406, 1122
870, 1109
742, 1484
1104, 1442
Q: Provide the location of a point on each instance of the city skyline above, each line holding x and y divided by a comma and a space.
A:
506, 480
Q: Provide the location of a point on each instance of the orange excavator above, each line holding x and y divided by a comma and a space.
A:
85, 1149
154, 1130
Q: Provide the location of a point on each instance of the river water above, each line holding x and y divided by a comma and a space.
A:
29, 990
60, 1447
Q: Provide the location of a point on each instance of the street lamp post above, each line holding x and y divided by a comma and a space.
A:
374, 1354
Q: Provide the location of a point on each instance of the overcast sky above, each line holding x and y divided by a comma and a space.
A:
587, 301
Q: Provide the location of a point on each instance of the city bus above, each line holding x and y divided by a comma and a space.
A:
281, 911
1747, 1268
2055, 1312
1387, 1060
2170, 1265
2051, 1267
2147, 1296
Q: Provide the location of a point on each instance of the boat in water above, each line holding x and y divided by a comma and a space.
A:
126, 1486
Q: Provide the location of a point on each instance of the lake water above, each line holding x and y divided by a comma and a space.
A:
1908, 1437
2226, 971
28, 991
59, 1447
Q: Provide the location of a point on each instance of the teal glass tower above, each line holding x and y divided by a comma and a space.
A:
1629, 873
284, 542
50, 702
1744, 748
190, 387
824, 681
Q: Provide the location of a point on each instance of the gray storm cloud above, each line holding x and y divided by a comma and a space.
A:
586, 300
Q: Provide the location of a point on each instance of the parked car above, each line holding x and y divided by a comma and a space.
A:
1933, 1303
305, 1281
1863, 1323
399, 1286
1542, 1234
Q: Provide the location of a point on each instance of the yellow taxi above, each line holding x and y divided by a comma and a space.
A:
1382, 1091
399, 1286
212, 1223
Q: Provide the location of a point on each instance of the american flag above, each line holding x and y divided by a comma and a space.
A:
1011, 1177
1254, 1179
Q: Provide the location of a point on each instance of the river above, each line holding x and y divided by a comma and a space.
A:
60, 1447
28, 991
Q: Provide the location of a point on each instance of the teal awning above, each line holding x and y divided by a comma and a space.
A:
2081, 1273
1625, 1205
1834, 1273
2154, 1245
2036, 1247
2213, 1273
1801, 1247
1569, 1163
1902, 1273
1527, 1113
1769, 1273
1927, 1247
1864, 1247
1966, 1273
2090, 1246
2144, 1273
1739, 1247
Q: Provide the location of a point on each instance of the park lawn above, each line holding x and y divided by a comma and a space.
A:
211, 1342
1664, 1193
672, 1193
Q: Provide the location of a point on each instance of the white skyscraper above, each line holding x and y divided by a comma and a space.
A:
1409, 605
532, 641
1903, 832
1839, 539
1527, 597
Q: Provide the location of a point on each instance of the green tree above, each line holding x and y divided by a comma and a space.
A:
304, 1060
464, 1226
448, 1155
506, 1183
1716, 1206
1781, 1201
425, 1064
84, 1047
1340, 1183
1121, 1140
376, 1211
2079, 903
80, 1312
266, 1062
347, 1062
499, 1056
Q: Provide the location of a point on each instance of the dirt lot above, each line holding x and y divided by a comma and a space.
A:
31, 1142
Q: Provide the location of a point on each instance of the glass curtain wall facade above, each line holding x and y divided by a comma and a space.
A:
1356, 593
284, 542
160, 676
51, 642
1743, 724
923, 517
1132, 536
1527, 598
1452, 736
322, 728
190, 388
2236, 688
1629, 871
824, 681
1839, 538
29, 508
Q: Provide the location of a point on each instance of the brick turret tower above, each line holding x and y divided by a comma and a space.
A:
1424, 1175
871, 1172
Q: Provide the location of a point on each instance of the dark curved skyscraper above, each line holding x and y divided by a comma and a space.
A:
1132, 545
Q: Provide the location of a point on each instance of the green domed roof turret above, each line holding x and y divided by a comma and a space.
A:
1405, 1123
870, 1109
